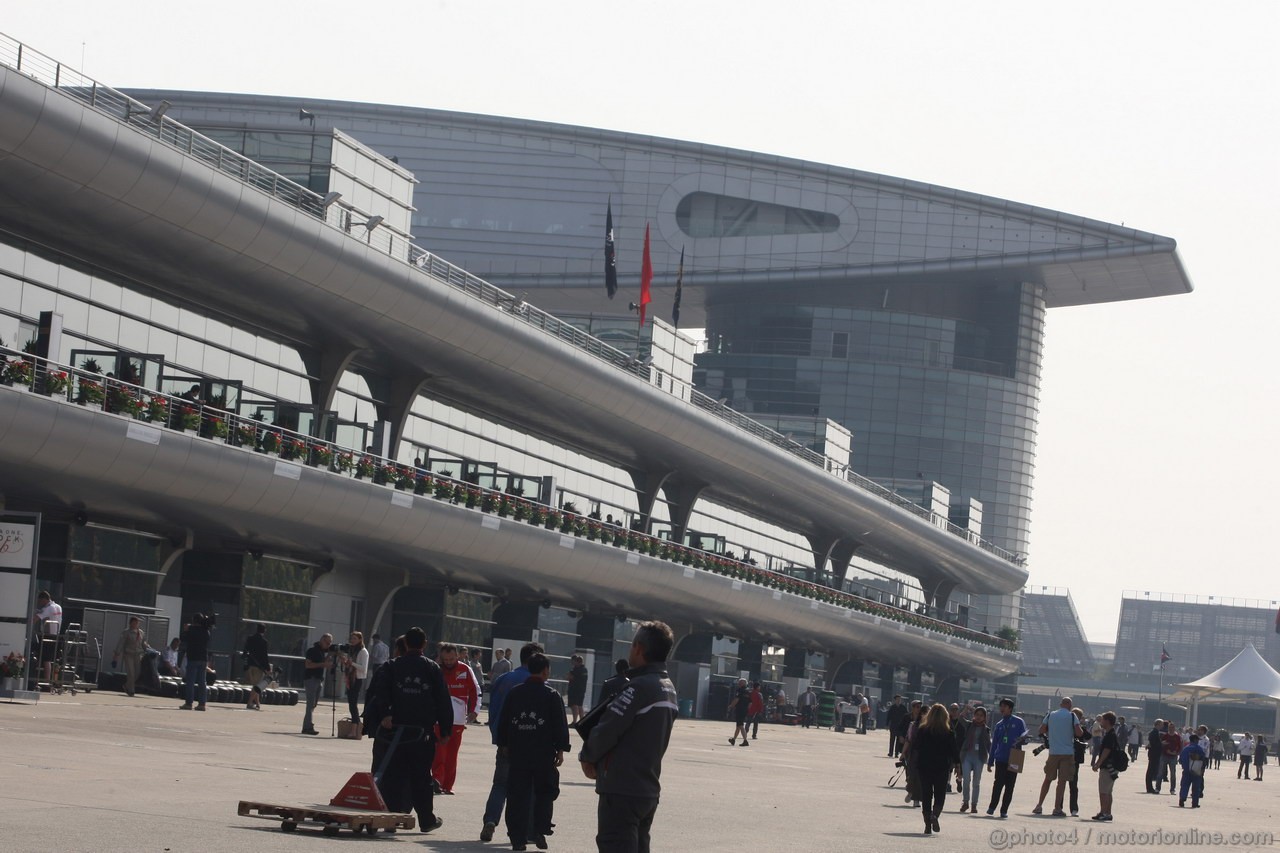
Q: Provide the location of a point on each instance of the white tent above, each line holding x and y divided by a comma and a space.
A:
1246, 674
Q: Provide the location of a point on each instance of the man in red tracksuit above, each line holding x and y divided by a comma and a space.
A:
465, 696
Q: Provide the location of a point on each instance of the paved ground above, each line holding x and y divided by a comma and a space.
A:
102, 772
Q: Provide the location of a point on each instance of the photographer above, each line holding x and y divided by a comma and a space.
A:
196, 639
318, 661
355, 665
1102, 765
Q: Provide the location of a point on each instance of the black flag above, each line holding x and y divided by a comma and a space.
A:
610, 259
675, 307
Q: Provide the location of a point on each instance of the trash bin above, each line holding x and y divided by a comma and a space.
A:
686, 709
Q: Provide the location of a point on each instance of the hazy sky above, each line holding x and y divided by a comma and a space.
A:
1157, 446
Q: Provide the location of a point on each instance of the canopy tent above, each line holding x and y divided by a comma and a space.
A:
1245, 675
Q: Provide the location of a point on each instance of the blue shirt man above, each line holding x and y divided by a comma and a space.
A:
1061, 728
1006, 734
1192, 775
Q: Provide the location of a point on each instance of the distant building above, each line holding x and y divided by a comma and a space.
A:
1053, 641
1200, 634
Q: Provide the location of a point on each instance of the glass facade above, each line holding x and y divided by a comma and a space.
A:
709, 215
937, 384
1200, 635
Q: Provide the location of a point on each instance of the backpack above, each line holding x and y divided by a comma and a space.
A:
1119, 760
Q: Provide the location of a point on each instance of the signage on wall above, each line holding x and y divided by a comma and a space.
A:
17, 545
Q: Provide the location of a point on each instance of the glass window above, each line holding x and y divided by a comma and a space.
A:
702, 214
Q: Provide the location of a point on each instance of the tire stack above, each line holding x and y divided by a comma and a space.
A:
229, 692
826, 709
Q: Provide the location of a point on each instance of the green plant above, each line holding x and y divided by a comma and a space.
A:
91, 391
1011, 636
14, 665
218, 427
57, 381
270, 441
344, 462
321, 454
90, 365
364, 467
246, 434
19, 370
189, 417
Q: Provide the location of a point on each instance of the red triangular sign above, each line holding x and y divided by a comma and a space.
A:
360, 792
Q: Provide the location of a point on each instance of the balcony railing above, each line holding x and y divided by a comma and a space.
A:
152, 121
201, 420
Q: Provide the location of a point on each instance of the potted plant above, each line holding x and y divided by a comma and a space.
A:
404, 477
292, 448
343, 462
521, 510
553, 520
12, 669
488, 503
473, 497
57, 382
246, 434
19, 371
537, 516
443, 489
504, 506
364, 468
422, 484
321, 455
270, 441
91, 393
216, 427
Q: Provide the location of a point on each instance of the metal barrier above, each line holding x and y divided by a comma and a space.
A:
195, 417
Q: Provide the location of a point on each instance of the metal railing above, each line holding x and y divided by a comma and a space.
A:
152, 121
205, 421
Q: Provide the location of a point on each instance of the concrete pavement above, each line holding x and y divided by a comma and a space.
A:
103, 772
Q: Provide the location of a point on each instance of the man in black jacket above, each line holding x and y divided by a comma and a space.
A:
414, 696
896, 724
257, 660
535, 737
624, 751
1155, 749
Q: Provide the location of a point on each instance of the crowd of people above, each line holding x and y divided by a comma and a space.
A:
941, 749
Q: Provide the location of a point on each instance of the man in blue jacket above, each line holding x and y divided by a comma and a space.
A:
1009, 733
1193, 760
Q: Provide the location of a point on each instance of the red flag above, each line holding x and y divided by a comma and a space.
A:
646, 276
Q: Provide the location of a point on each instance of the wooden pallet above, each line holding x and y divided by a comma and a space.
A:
332, 819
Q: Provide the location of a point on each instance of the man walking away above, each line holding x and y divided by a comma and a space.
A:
196, 643
415, 698
577, 687
378, 653
738, 707
257, 659
501, 766
1172, 749
624, 751
1062, 729
1193, 760
535, 737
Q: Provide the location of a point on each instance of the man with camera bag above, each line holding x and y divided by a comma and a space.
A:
415, 697
1106, 766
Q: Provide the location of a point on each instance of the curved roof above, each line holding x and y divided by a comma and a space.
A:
478, 173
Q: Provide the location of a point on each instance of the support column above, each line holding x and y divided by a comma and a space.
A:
751, 657
325, 365
947, 689
915, 678
682, 494
830, 546
394, 396
795, 663
938, 596
648, 484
